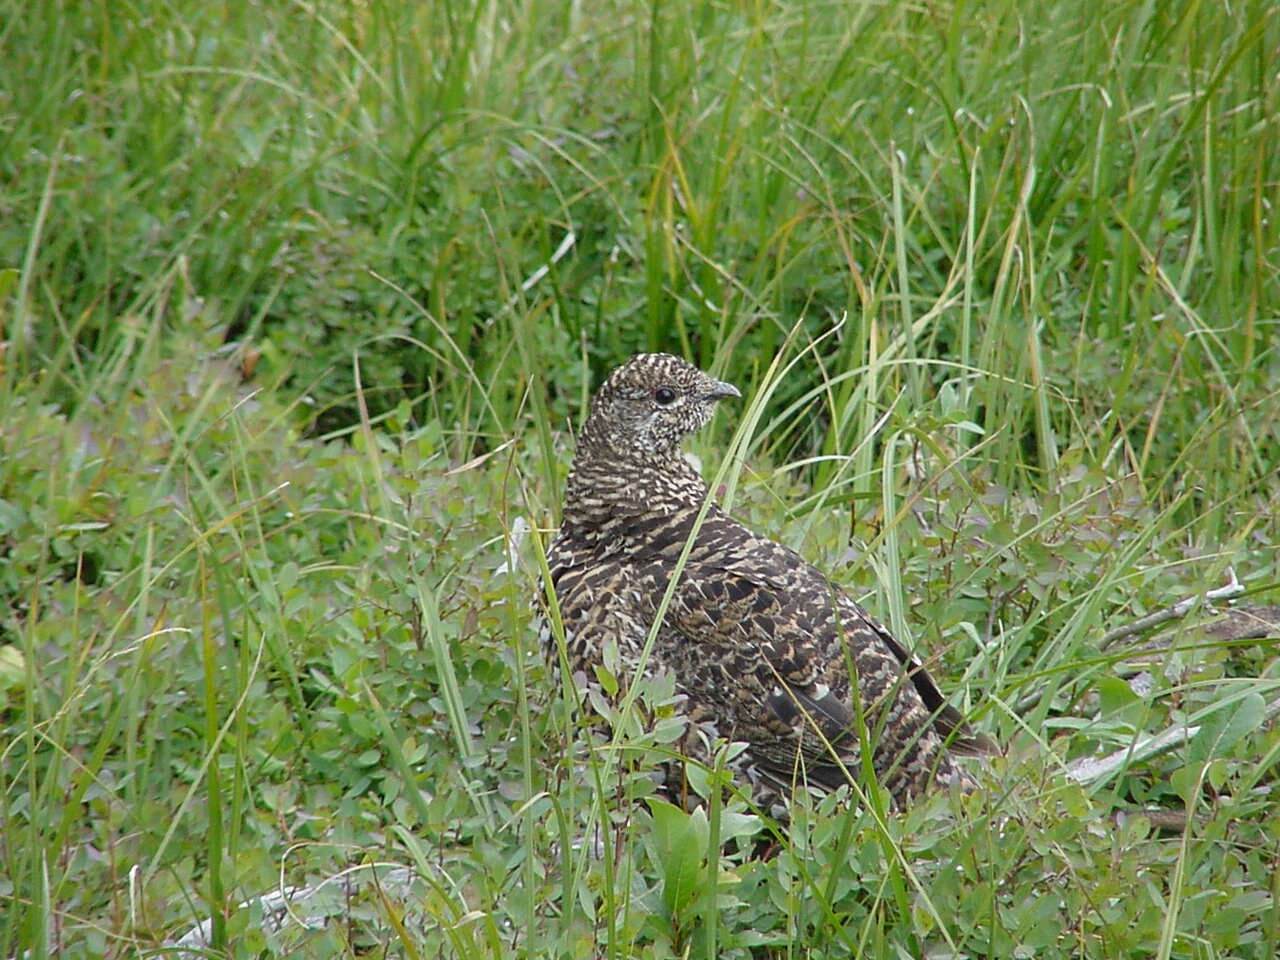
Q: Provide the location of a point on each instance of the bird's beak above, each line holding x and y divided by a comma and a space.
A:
720, 390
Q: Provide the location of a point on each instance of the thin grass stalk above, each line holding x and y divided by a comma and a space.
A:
966, 317
17, 334
570, 706
891, 563
711, 907
212, 742
1045, 439
37, 887
451, 693
132, 714
517, 629
904, 282
864, 454
399, 762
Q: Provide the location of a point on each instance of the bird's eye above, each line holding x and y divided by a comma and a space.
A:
665, 396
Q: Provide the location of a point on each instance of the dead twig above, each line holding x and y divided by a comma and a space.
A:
1232, 588
1094, 769
278, 906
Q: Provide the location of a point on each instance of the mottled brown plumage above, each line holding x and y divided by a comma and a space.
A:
758, 640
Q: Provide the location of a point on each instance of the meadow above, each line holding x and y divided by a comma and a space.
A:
301, 304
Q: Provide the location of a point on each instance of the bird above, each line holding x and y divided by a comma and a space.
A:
763, 647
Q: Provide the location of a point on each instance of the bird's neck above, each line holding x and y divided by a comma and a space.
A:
608, 488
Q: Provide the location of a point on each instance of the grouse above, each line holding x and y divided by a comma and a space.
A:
763, 646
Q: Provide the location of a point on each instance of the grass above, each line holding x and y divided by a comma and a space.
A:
302, 302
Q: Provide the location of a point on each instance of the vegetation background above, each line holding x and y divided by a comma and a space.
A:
301, 301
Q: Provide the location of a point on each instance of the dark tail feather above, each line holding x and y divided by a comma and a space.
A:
959, 738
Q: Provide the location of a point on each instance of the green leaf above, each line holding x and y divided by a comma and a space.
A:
8, 280
12, 668
680, 848
1118, 701
1225, 727
608, 682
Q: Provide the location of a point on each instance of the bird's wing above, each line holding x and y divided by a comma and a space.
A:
767, 633
949, 722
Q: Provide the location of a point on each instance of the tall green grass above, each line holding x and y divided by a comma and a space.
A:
300, 304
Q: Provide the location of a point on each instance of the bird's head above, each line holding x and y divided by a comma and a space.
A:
651, 402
